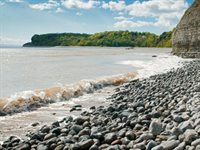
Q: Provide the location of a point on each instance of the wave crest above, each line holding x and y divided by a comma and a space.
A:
29, 100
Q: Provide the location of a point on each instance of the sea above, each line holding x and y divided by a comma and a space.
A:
66, 76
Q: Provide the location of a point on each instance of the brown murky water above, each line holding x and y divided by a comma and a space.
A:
21, 124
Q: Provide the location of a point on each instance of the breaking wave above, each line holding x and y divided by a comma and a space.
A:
30, 100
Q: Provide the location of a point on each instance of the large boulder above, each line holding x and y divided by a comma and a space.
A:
186, 37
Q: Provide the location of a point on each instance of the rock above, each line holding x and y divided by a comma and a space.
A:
103, 146
59, 147
130, 135
122, 132
86, 144
84, 132
94, 147
76, 128
35, 124
49, 136
42, 147
125, 114
116, 142
24, 146
56, 124
45, 129
185, 125
74, 147
196, 142
186, 37
51, 141
80, 120
181, 146
177, 131
150, 145
84, 138
110, 137
2, 113
177, 118
146, 136
191, 148
56, 131
93, 107
114, 147
190, 135
155, 127
159, 147
170, 145
197, 147
77, 105
139, 146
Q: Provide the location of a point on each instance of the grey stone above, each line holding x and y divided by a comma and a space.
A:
150, 145
190, 135
86, 144
181, 146
84, 132
76, 128
49, 136
130, 135
94, 147
42, 147
158, 147
114, 147
146, 136
170, 145
155, 127
185, 125
196, 142
110, 137
177, 131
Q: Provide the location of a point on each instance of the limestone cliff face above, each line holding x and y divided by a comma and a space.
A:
186, 37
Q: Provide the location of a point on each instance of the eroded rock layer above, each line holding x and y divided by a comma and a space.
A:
186, 37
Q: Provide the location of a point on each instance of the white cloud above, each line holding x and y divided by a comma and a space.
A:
79, 14
80, 4
120, 18
45, 6
129, 23
15, 1
112, 5
59, 10
156, 7
160, 12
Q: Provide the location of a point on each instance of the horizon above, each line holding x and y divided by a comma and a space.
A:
86, 16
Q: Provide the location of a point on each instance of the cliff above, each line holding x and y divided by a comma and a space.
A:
186, 37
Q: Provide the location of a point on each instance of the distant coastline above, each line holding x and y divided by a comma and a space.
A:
102, 39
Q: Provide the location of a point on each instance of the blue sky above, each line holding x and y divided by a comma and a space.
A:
20, 19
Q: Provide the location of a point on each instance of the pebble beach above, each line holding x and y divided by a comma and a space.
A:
160, 112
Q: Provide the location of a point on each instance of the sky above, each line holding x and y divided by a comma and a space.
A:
21, 19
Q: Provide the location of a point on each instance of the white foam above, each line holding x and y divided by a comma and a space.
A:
24, 101
158, 65
134, 63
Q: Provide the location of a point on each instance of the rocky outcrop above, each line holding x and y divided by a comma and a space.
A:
186, 37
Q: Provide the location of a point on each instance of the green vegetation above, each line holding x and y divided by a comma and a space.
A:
112, 38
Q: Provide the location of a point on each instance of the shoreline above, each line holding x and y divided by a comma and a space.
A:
20, 124
31, 100
159, 112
